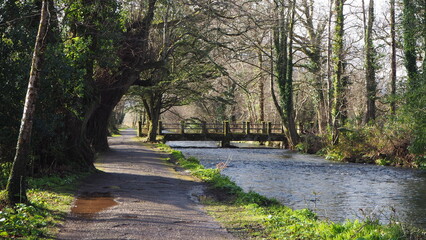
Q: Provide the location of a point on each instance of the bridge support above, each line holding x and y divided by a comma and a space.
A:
225, 143
263, 127
269, 128
182, 127
204, 128
226, 129
247, 128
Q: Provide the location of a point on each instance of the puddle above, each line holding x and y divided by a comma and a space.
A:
88, 204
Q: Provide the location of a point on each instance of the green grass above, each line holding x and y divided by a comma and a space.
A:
50, 198
250, 215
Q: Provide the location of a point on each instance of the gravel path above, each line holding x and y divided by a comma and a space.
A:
138, 196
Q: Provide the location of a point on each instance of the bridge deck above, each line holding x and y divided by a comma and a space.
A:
222, 137
225, 132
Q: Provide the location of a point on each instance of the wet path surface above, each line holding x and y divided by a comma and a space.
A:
336, 191
138, 196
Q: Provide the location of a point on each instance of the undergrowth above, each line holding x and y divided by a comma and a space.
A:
49, 200
379, 143
252, 215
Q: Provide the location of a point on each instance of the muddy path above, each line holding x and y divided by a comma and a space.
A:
138, 196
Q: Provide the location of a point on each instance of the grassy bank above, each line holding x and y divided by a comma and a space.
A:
50, 198
251, 215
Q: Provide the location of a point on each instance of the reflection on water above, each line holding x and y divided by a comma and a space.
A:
336, 191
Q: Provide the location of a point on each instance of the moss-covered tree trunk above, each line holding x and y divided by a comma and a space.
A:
283, 45
410, 39
339, 83
393, 57
152, 105
289, 105
16, 186
370, 68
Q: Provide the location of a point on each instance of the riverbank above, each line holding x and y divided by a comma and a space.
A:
252, 215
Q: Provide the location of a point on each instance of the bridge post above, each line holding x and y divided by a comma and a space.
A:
182, 127
225, 128
160, 127
264, 127
139, 129
225, 143
204, 128
269, 128
225, 140
247, 128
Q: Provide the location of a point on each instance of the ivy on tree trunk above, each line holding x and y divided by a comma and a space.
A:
370, 68
393, 57
339, 83
283, 43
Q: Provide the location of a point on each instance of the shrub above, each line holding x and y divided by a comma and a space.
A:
22, 221
4, 174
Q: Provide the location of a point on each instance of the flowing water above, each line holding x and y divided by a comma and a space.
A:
336, 191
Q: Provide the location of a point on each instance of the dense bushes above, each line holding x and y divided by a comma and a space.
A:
67, 94
387, 143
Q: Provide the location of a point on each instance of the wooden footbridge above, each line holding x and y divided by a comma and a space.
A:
224, 132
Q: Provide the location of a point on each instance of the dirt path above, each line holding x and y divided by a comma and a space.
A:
138, 196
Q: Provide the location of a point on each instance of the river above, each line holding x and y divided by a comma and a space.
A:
335, 191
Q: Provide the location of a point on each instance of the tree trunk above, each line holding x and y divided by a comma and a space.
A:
135, 40
16, 186
409, 36
339, 85
97, 128
153, 109
153, 129
393, 57
329, 66
261, 88
370, 71
283, 47
289, 106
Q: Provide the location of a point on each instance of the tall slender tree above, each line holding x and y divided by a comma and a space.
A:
283, 43
339, 82
393, 56
16, 186
410, 42
261, 86
370, 68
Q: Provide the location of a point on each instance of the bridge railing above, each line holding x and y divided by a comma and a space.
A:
220, 128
